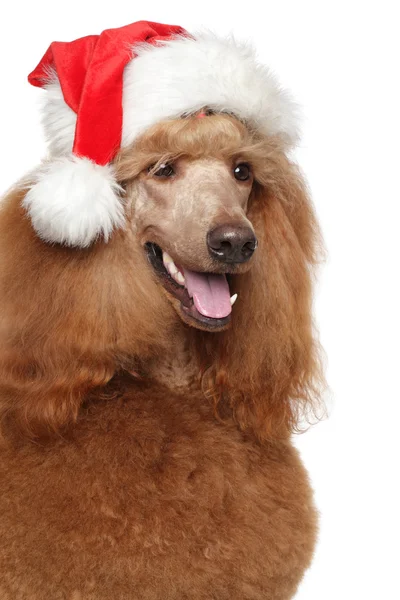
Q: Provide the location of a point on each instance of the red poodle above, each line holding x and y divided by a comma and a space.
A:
156, 340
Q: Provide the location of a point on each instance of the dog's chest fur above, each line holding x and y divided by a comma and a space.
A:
151, 498
176, 368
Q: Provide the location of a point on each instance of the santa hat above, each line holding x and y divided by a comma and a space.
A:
103, 91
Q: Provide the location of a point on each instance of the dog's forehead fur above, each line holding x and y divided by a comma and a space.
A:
215, 135
221, 137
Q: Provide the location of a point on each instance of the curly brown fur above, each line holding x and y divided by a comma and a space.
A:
174, 476
165, 504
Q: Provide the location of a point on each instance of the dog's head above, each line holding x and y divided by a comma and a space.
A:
189, 183
214, 212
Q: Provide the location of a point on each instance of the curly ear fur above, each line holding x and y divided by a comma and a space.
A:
70, 319
266, 369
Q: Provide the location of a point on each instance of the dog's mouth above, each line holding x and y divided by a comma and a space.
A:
205, 299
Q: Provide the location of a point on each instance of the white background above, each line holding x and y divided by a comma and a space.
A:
341, 61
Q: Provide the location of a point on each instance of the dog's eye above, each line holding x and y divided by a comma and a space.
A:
163, 171
242, 172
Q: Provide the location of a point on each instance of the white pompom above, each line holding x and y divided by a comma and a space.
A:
74, 201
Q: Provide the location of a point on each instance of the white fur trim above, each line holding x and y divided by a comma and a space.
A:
58, 119
74, 201
182, 76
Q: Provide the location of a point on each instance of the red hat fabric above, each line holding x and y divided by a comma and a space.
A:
103, 91
90, 72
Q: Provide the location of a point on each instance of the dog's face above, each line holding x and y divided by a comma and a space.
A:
189, 213
190, 216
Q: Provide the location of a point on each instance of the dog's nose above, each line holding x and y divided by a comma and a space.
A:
231, 244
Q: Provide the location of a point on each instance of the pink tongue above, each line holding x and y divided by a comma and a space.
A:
210, 293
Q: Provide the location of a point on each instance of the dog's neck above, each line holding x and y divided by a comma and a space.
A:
176, 366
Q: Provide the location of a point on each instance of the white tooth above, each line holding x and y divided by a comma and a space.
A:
166, 259
233, 299
172, 268
169, 264
179, 278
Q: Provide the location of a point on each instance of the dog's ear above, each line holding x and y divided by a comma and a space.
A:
266, 369
68, 320
46, 365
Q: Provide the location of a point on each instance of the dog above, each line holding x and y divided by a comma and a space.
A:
150, 380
